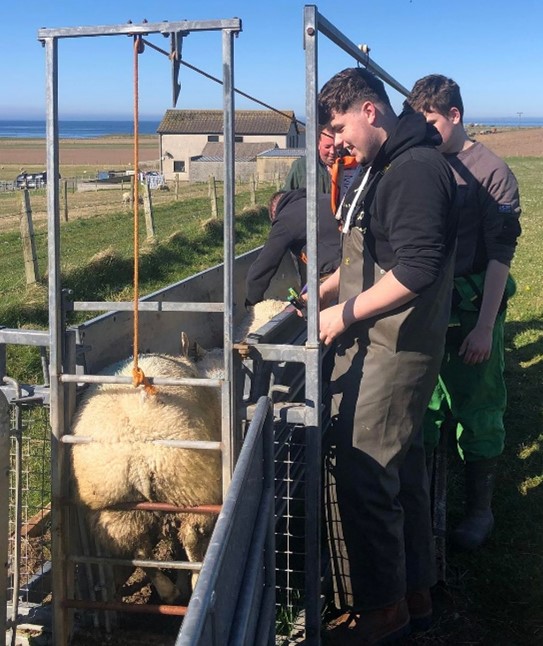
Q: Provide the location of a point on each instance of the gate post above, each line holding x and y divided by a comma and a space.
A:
4, 504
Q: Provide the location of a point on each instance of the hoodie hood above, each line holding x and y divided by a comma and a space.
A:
289, 197
411, 130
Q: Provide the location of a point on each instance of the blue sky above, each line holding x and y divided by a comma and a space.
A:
493, 49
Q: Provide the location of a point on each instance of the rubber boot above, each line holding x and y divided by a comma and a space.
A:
478, 523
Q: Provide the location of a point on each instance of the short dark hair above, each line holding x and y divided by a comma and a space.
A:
436, 93
347, 88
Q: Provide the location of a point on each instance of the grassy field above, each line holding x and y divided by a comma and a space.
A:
491, 597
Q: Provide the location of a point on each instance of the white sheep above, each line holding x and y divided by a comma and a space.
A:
258, 315
127, 198
122, 464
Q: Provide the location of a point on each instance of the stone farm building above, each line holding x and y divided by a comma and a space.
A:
191, 141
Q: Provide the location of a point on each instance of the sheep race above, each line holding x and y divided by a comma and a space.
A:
122, 464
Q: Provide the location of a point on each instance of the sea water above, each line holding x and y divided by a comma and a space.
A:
74, 129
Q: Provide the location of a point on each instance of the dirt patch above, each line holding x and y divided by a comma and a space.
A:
105, 151
519, 142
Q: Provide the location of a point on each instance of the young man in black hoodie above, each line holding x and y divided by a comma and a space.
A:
392, 293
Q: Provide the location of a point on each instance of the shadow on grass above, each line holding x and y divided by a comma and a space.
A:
494, 596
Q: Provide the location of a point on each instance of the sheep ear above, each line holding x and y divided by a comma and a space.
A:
185, 344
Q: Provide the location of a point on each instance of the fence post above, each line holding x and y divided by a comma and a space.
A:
177, 186
132, 187
252, 188
65, 200
213, 196
148, 209
4, 504
27, 238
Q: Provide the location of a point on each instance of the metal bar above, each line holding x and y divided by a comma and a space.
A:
262, 553
158, 381
145, 306
144, 29
138, 608
61, 627
24, 337
328, 30
228, 422
203, 596
313, 392
177, 444
164, 506
289, 353
4, 517
143, 563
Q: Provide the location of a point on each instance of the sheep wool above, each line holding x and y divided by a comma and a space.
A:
122, 464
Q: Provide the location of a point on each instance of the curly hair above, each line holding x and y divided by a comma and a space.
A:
348, 88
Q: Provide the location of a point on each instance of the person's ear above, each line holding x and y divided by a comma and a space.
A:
368, 110
454, 115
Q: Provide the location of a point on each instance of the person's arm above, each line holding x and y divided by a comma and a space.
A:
265, 266
385, 295
500, 208
477, 345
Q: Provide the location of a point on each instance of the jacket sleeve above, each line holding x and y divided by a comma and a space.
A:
414, 211
265, 266
500, 208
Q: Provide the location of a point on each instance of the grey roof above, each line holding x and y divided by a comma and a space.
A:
214, 151
284, 152
246, 122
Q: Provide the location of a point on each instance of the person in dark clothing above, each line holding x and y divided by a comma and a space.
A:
288, 233
386, 308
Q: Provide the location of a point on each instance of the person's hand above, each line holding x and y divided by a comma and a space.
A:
477, 345
332, 323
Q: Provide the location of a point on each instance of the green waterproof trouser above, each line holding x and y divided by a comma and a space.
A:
474, 395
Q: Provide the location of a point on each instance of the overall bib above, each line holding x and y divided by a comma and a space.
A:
376, 490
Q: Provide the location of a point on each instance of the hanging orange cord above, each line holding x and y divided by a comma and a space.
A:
138, 378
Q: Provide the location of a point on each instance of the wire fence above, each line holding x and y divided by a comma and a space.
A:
101, 220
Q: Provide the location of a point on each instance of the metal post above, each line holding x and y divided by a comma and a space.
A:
4, 504
229, 455
313, 388
61, 627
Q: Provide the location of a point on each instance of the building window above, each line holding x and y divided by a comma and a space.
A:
238, 138
213, 138
179, 167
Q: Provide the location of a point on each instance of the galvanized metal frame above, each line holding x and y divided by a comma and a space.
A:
234, 599
60, 354
313, 24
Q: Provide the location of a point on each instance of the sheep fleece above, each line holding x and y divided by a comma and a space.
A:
122, 464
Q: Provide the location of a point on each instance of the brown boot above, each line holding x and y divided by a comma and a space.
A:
371, 628
419, 603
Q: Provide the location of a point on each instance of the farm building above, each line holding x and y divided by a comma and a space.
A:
276, 163
210, 162
184, 134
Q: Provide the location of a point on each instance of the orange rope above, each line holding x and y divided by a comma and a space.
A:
138, 377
